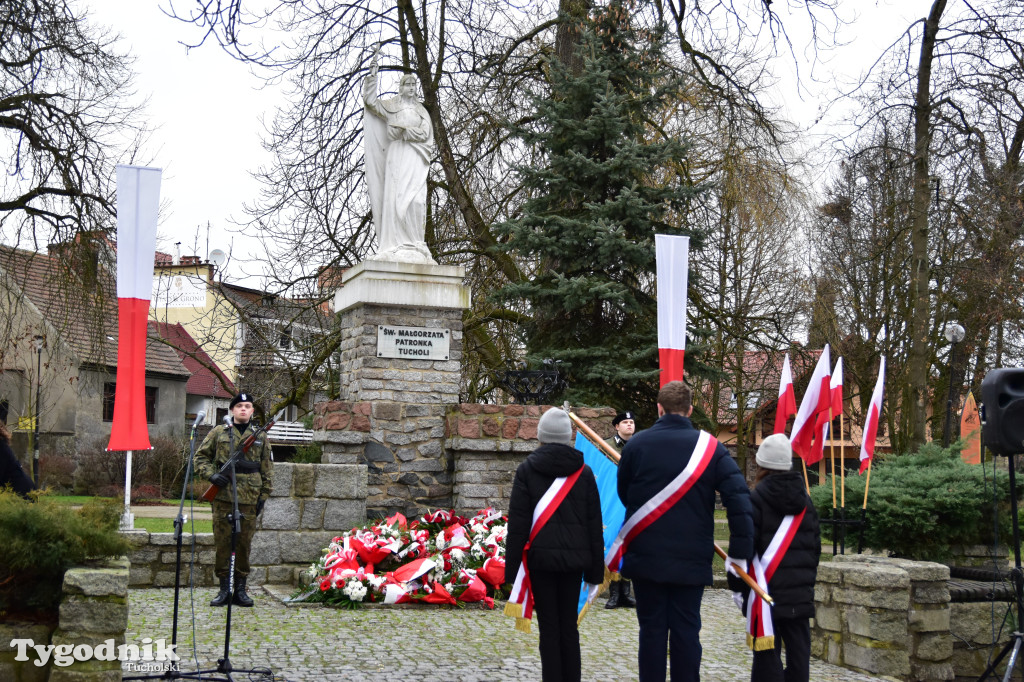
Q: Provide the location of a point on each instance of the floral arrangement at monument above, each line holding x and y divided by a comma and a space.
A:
439, 558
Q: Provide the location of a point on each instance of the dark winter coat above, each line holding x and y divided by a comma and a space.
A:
792, 585
572, 539
11, 473
678, 548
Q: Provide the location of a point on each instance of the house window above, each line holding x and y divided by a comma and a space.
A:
151, 396
751, 402
109, 391
285, 341
108, 401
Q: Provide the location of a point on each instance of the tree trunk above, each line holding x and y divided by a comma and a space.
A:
915, 393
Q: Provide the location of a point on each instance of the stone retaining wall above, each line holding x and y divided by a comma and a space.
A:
423, 457
94, 609
309, 505
487, 443
885, 617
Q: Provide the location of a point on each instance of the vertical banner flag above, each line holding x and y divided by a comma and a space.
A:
673, 263
806, 436
867, 447
138, 200
613, 513
835, 390
786, 407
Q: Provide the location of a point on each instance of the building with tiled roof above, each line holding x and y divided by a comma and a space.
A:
67, 298
743, 413
208, 389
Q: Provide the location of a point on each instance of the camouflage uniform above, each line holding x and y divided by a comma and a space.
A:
254, 474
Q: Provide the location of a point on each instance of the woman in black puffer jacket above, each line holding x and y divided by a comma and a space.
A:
568, 548
779, 492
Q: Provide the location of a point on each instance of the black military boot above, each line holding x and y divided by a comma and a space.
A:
613, 595
625, 597
241, 598
224, 596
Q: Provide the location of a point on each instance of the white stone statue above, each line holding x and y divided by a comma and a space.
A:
399, 144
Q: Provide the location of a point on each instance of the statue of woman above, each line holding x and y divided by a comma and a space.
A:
399, 145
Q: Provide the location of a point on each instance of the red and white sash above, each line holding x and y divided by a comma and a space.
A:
652, 510
760, 631
520, 601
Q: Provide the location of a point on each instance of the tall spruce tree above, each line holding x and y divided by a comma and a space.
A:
606, 182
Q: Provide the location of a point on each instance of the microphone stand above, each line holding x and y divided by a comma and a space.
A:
179, 522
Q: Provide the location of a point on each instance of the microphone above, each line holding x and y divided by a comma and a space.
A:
227, 420
199, 418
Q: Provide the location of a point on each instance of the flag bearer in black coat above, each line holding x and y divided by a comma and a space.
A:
619, 591
780, 497
669, 560
568, 548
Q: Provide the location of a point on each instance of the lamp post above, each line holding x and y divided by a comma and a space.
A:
37, 343
954, 334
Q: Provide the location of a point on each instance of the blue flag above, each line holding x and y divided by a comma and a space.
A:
613, 513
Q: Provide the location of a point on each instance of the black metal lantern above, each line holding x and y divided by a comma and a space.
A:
534, 386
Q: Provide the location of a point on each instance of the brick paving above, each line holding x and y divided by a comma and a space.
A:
428, 644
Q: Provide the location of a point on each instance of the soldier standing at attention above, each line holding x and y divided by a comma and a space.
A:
253, 473
620, 591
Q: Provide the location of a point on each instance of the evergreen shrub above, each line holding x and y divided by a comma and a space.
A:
41, 539
922, 505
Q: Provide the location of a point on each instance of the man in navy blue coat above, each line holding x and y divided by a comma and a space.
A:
670, 560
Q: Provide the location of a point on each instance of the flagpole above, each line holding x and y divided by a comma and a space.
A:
832, 456
807, 481
842, 464
599, 443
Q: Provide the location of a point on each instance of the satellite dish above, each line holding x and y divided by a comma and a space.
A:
218, 258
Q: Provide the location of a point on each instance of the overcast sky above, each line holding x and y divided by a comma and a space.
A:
207, 108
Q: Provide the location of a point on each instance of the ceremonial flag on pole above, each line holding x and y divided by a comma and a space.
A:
867, 447
813, 411
613, 513
835, 396
673, 256
138, 200
786, 407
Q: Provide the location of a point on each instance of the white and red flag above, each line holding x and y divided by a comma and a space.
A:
813, 413
835, 397
138, 202
867, 448
786, 406
673, 263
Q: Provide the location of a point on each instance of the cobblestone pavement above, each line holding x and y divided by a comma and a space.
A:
313, 643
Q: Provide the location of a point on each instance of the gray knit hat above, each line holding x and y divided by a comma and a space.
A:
775, 453
554, 427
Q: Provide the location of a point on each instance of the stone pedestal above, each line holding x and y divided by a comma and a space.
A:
402, 399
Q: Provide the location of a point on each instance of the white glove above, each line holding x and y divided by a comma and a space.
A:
737, 598
730, 562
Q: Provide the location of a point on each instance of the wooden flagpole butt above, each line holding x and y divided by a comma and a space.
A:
867, 483
807, 481
842, 464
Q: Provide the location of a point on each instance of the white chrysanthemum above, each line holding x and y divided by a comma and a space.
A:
355, 590
376, 580
458, 556
439, 541
477, 551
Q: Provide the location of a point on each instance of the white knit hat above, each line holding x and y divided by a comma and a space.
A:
554, 427
775, 453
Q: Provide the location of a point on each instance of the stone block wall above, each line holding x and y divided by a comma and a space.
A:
94, 609
309, 505
368, 377
400, 447
884, 616
487, 443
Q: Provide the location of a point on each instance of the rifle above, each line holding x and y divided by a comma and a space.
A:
241, 449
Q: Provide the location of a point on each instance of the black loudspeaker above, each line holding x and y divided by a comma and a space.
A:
1002, 395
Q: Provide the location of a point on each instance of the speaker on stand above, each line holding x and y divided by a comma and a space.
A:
1002, 432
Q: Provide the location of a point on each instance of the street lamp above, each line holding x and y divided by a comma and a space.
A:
37, 343
954, 334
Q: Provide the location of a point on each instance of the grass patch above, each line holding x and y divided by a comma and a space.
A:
82, 499
167, 526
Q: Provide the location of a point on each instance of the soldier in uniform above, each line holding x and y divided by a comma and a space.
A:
620, 591
253, 475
